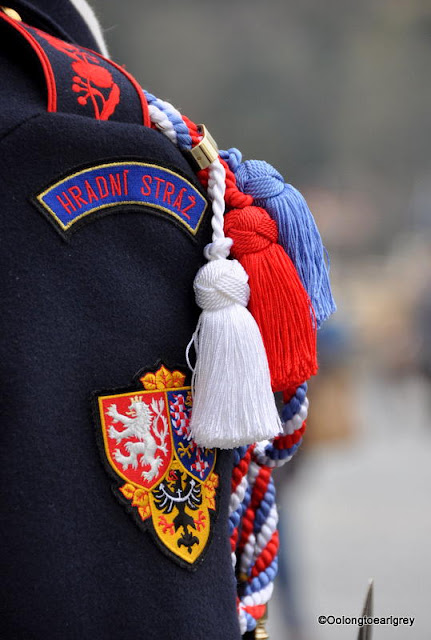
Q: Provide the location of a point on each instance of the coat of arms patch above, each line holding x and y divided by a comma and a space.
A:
163, 478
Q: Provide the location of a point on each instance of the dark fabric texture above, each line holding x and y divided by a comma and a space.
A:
58, 18
79, 315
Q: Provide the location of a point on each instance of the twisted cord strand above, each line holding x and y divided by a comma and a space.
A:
253, 528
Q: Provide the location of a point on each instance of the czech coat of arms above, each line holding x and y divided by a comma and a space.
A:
164, 479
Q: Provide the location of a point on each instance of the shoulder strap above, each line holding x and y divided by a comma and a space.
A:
83, 82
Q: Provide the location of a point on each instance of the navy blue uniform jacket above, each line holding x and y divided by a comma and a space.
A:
83, 312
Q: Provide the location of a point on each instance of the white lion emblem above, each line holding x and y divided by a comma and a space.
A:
138, 425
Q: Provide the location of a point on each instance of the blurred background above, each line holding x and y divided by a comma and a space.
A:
337, 96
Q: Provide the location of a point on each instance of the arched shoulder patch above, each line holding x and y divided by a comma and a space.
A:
84, 194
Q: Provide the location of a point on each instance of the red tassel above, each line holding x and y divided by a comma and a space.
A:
278, 300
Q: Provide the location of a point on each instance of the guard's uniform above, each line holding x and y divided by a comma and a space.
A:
103, 225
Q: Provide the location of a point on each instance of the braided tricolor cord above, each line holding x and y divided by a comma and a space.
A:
282, 448
253, 513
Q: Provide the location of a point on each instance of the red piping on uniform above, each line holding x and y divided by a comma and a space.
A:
139, 91
44, 61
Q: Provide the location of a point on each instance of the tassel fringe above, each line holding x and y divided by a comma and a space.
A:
233, 403
298, 233
278, 301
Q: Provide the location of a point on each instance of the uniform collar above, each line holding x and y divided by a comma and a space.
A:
59, 18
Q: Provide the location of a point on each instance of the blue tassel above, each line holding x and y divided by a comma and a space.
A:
298, 233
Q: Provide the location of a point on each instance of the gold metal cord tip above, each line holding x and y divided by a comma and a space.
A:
204, 153
11, 13
260, 633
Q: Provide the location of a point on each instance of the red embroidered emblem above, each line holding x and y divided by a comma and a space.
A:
93, 81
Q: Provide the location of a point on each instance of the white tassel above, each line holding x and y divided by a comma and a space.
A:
233, 403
